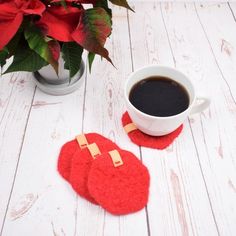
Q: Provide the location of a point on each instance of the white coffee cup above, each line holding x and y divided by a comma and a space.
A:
158, 126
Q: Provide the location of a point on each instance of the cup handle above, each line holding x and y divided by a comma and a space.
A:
201, 103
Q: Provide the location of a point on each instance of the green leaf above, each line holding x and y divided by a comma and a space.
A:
93, 29
104, 5
72, 54
91, 57
122, 3
63, 3
55, 49
26, 59
38, 43
14, 43
11, 47
3, 56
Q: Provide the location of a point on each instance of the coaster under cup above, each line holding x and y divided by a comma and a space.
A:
145, 140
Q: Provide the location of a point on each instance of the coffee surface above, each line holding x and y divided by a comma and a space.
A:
159, 96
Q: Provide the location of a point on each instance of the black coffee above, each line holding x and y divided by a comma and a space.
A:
159, 96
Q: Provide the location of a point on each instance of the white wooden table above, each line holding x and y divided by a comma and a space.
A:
193, 182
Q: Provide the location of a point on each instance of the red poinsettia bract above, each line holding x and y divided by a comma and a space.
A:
60, 22
11, 16
78, 1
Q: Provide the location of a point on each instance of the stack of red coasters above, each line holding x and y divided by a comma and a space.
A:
69, 148
145, 140
99, 171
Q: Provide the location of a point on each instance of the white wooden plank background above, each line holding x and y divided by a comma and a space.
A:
193, 182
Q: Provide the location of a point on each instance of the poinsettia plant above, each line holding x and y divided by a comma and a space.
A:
35, 32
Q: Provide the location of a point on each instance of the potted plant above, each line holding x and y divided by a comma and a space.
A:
48, 37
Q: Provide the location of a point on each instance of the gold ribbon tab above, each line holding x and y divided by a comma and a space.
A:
94, 150
82, 141
116, 158
130, 127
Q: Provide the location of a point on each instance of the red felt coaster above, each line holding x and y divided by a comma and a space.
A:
81, 163
119, 182
69, 148
145, 140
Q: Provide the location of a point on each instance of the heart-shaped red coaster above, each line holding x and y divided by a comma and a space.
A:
119, 182
69, 148
81, 163
145, 140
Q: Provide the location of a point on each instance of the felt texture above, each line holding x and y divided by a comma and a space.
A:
80, 167
68, 150
145, 140
119, 190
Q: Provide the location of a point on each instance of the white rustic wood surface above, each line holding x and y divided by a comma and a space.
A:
193, 182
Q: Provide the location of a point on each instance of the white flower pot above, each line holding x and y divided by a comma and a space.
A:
49, 82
